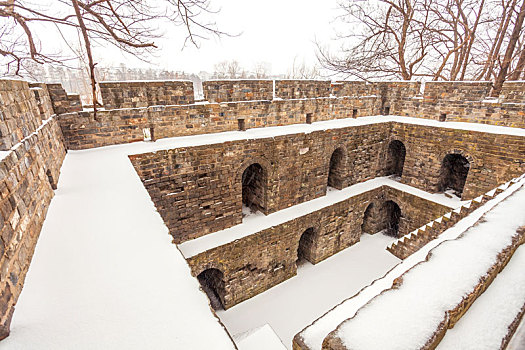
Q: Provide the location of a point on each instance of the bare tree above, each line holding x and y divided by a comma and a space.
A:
261, 70
300, 70
130, 25
505, 65
436, 39
229, 70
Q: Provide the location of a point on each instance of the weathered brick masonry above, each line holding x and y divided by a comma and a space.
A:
251, 101
247, 271
198, 190
28, 174
132, 94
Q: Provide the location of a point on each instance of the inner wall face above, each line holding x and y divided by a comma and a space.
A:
200, 190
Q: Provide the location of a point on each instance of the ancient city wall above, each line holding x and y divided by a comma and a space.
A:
61, 101
216, 91
290, 89
494, 158
296, 167
83, 130
248, 271
132, 94
198, 190
28, 173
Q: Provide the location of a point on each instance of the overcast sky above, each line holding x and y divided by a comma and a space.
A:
274, 31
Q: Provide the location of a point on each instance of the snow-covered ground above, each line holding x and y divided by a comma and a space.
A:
314, 334
438, 285
291, 305
105, 274
262, 338
499, 304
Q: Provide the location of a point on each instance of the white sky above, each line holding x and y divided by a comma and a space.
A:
273, 31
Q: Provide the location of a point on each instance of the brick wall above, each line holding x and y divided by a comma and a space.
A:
27, 175
43, 100
290, 89
493, 158
249, 271
237, 90
19, 114
82, 130
61, 101
132, 94
195, 203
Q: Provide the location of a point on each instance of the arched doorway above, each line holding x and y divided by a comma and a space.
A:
453, 174
395, 158
336, 169
254, 187
212, 283
304, 250
391, 214
369, 224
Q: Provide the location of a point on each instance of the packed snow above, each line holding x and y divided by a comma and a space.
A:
290, 305
314, 334
253, 223
105, 274
517, 342
262, 338
455, 267
499, 304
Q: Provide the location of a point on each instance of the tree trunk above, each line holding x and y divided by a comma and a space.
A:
520, 67
500, 79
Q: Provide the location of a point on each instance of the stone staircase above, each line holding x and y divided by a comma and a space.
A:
415, 240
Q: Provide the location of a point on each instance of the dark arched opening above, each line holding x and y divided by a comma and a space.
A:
336, 170
454, 172
212, 283
395, 158
304, 250
391, 217
254, 187
369, 224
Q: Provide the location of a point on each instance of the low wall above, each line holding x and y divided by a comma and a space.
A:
237, 90
249, 271
20, 115
292, 89
296, 169
83, 130
132, 94
29, 172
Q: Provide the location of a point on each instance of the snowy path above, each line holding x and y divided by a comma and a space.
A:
291, 305
105, 274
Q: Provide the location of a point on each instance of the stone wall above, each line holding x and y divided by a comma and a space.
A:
43, 100
82, 130
19, 114
237, 90
195, 203
494, 158
28, 174
132, 94
249, 271
61, 101
466, 102
291, 89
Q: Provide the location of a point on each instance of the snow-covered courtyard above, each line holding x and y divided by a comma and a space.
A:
293, 304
